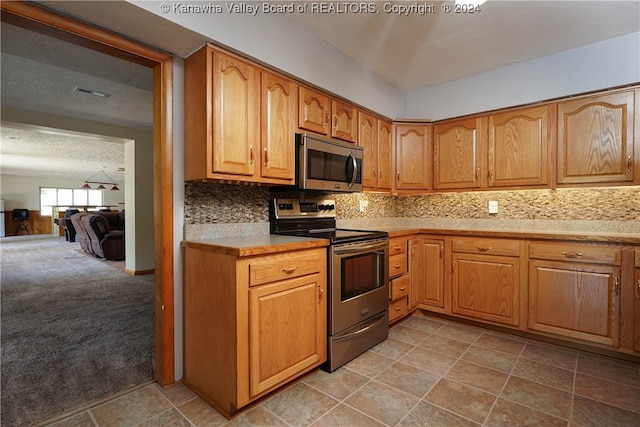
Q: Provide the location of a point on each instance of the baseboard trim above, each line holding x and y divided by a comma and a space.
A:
131, 272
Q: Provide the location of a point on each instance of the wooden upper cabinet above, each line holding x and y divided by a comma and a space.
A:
459, 154
375, 136
385, 155
344, 123
236, 115
519, 147
596, 139
412, 156
314, 110
368, 130
240, 120
279, 106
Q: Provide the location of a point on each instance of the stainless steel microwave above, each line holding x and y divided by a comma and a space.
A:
328, 165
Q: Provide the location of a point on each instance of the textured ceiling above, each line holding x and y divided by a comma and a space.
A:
414, 51
40, 74
418, 50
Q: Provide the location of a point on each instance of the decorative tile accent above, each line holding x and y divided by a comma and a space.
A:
610, 209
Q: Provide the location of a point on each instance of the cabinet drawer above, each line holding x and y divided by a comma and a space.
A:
284, 266
400, 287
398, 309
575, 252
397, 245
397, 264
473, 245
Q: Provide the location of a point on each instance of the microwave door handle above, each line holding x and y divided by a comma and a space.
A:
355, 170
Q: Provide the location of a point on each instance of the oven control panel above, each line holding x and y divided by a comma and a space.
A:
293, 208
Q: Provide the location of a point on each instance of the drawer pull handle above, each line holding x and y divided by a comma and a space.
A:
484, 248
572, 255
289, 270
402, 288
320, 293
397, 309
396, 266
397, 248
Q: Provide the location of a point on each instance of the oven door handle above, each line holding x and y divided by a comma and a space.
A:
343, 251
359, 331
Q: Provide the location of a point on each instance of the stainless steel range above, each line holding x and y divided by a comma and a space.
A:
358, 276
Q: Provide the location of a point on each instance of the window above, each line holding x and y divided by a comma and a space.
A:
63, 197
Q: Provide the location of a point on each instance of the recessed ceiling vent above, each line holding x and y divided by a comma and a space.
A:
92, 92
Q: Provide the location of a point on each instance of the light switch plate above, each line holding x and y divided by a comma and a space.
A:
493, 207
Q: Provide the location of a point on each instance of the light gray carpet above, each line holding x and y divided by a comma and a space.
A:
74, 329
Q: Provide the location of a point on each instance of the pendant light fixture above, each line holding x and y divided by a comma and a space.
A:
101, 184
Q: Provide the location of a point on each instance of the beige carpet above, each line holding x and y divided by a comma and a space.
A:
75, 329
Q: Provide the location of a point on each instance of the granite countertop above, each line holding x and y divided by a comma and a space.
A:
255, 245
591, 236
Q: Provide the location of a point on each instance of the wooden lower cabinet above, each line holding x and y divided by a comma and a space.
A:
636, 313
575, 300
485, 284
251, 323
426, 264
574, 290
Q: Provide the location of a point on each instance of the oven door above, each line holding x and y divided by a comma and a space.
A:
329, 165
359, 282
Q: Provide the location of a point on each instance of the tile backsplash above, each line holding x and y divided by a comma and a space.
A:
219, 206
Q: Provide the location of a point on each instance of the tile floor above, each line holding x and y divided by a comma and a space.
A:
430, 372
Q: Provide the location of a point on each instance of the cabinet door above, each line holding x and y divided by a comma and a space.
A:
236, 121
385, 157
636, 310
412, 154
426, 266
575, 300
519, 148
313, 111
344, 124
287, 330
459, 154
595, 139
368, 140
279, 102
486, 287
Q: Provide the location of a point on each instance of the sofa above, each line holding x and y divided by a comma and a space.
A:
100, 234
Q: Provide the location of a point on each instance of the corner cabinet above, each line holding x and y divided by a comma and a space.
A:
239, 120
596, 141
426, 264
251, 323
413, 151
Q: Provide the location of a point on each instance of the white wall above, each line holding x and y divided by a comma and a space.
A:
139, 224
596, 66
23, 192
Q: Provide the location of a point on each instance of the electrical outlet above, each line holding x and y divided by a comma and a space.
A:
363, 204
493, 207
